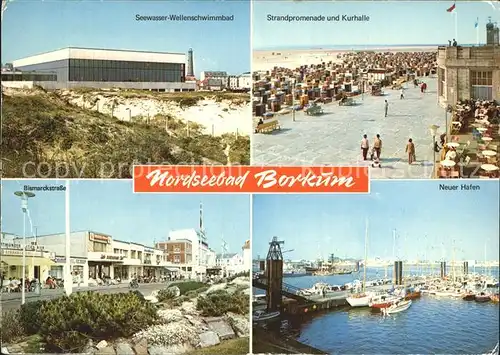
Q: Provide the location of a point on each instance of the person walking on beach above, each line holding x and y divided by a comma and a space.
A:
402, 96
365, 145
410, 149
377, 146
386, 107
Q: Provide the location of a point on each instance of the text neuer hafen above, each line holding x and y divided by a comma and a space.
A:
265, 179
185, 18
319, 18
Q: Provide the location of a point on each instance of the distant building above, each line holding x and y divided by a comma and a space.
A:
108, 68
178, 251
470, 72
230, 263
247, 256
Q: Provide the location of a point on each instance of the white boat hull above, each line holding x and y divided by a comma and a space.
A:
265, 316
396, 309
359, 301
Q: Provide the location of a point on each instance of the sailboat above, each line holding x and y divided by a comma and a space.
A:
363, 298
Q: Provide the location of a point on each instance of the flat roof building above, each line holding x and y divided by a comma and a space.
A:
470, 72
106, 68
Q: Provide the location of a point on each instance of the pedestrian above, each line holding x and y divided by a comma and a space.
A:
377, 146
410, 149
402, 92
365, 145
425, 86
455, 43
422, 88
386, 107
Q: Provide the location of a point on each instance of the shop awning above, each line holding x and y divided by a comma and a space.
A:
13, 260
39, 261
172, 269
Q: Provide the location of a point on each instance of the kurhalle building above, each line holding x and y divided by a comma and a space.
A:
470, 72
105, 68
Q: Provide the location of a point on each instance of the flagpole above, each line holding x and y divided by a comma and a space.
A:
456, 25
477, 34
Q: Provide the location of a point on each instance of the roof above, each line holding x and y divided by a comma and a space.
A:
101, 54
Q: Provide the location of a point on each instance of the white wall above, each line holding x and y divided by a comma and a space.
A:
56, 243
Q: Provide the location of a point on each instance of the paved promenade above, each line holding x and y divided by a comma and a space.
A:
334, 137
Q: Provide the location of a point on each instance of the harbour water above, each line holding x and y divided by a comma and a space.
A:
430, 325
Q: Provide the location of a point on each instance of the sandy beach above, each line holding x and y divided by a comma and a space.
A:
267, 59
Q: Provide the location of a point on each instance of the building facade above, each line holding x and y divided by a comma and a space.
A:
199, 247
230, 263
178, 251
96, 255
38, 261
469, 72
104, 68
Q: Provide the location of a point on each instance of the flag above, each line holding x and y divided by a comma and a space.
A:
477, 23
450, 9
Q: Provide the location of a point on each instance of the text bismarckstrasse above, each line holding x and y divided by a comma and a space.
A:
185, 18
319, 18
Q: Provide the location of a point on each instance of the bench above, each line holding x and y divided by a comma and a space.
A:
267, 127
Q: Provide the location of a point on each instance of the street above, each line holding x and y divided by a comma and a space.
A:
10, 301
334, 138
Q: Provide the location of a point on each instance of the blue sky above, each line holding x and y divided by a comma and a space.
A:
402, 22
110, 207
30, 27
316, 225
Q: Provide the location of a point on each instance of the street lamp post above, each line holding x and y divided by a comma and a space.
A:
433, 129
24, 206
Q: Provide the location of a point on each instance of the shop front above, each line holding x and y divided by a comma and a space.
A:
103, 265
37, 261
79, 269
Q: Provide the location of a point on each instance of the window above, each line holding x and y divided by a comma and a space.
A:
177, 258
481, 78
99, 247
481, 85
177, 249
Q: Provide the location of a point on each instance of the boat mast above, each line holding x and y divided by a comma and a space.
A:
366, 255
453, 258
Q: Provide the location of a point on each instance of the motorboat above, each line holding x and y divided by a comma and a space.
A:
396, 307
383, 301
482, 297
412, 293
259, 316
470, 296
359, 299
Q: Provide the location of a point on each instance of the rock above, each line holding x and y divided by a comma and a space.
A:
241, 324
219, 325
170, 315
108, 350
5, 351
89, 348
209, 339
151, 299
198, 323
141, 347
174, 291
102, 344
123, 348
169, 350
189, 308
217, 287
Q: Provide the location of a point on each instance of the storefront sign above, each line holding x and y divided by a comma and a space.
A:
149, 251
112, 257
17, 252
99, 238
62, 260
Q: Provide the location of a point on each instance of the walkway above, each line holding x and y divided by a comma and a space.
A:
334, 138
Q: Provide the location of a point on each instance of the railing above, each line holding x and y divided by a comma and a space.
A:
286, 289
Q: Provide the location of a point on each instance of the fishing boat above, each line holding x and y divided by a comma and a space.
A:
396, 307
482, 297
259, 316
383, 301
